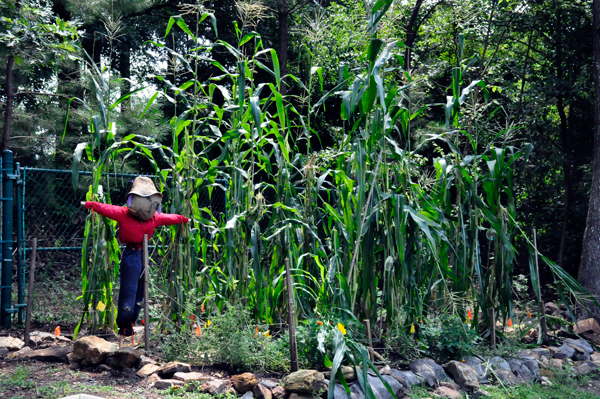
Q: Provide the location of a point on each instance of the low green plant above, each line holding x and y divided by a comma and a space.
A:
20, 378
447, 337
230, 338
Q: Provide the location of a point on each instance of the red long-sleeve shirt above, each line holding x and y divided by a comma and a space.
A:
132, 229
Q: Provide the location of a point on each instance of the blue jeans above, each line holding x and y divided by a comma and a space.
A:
131, 294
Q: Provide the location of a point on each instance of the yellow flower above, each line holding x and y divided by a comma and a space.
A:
101, 306
412, 328
340, 327
208, 323
267, 333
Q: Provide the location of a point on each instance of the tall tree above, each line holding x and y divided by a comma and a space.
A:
589, 269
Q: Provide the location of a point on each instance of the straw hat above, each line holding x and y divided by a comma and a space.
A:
144, 187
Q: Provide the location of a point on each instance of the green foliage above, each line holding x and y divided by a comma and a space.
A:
447, 338
20, 378
231, 339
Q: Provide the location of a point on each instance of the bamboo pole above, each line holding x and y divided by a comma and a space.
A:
30, 291
493, 328
541, 310
293, 347
146, 314
369, 337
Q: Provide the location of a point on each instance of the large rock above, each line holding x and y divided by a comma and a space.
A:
144, 360
262, 392
166, 384
244, 382
448, 393
564, 352
463, 374
520, 370
11, 343
278, 392
379, 389
430, 370
271, 384
550, 308
585, 367
304, 381
533, 366
580, 345
349, 373
507, 377
586, 326
147, 370
216, 387
92, 350
407, 378
498, 363
40, 336
171, 368
18, 354
124, 358
199, 378
479, 367
54, 354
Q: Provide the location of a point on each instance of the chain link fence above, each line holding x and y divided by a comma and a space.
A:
53, 211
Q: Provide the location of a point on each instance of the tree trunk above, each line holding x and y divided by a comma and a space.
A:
564, 134
125, 70
283, 15
10, 95
589, 272
411, 34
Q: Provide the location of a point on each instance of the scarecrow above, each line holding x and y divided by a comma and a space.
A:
141, 216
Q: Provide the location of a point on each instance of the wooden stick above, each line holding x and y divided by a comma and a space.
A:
492, 328
146, 314
292, 323
541, 309
368, 328
30, 291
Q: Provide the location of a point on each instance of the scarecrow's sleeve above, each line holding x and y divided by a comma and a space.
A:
167, 219
113, 212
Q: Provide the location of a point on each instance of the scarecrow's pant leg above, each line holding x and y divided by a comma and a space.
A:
131, 268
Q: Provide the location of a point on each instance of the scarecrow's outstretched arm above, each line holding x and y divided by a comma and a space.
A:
113, 212
166, 219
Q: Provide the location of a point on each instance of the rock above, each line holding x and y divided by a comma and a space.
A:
520, 370
231, 392
533, 367
216, 387
248, 395
587, 325
166, 384
481, 369
558, 363
507, 377
564, 352
54, 354
104, 367
147, 370
349, 373
92, 350
480, 393
463, 374
40, 336
430, 370
407, 378
547, 373
278, 392
18, 354
580, 345
304, 381
445, 392
171, 368
124, 358
3, 351
152, 379
144, 360
75, 365
585, 367
387, 370
262, 392
269, 383
546, 381
550, 308
11, 343
200, 378
595, 357
498, 363
379, 389
244, 382
450, 385
544, 361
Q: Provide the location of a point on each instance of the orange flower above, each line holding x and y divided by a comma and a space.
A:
320, 322
198, 331
202, 308
144, 321
509, 322
192, 317
57, 331
470, 315
528, 313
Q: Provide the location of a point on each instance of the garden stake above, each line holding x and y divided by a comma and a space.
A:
30, 291
293, 347
541, 310
371, 350
492, 328
146, 314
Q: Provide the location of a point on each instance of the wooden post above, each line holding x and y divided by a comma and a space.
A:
541, 309
292, 323
146, 314
368, 328
492, 328
30, 291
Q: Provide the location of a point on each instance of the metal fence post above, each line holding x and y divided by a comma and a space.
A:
7, 238
20, 268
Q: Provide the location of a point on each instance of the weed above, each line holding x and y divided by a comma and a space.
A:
20, 378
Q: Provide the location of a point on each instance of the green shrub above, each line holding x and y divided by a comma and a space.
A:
447, 337
231, 339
